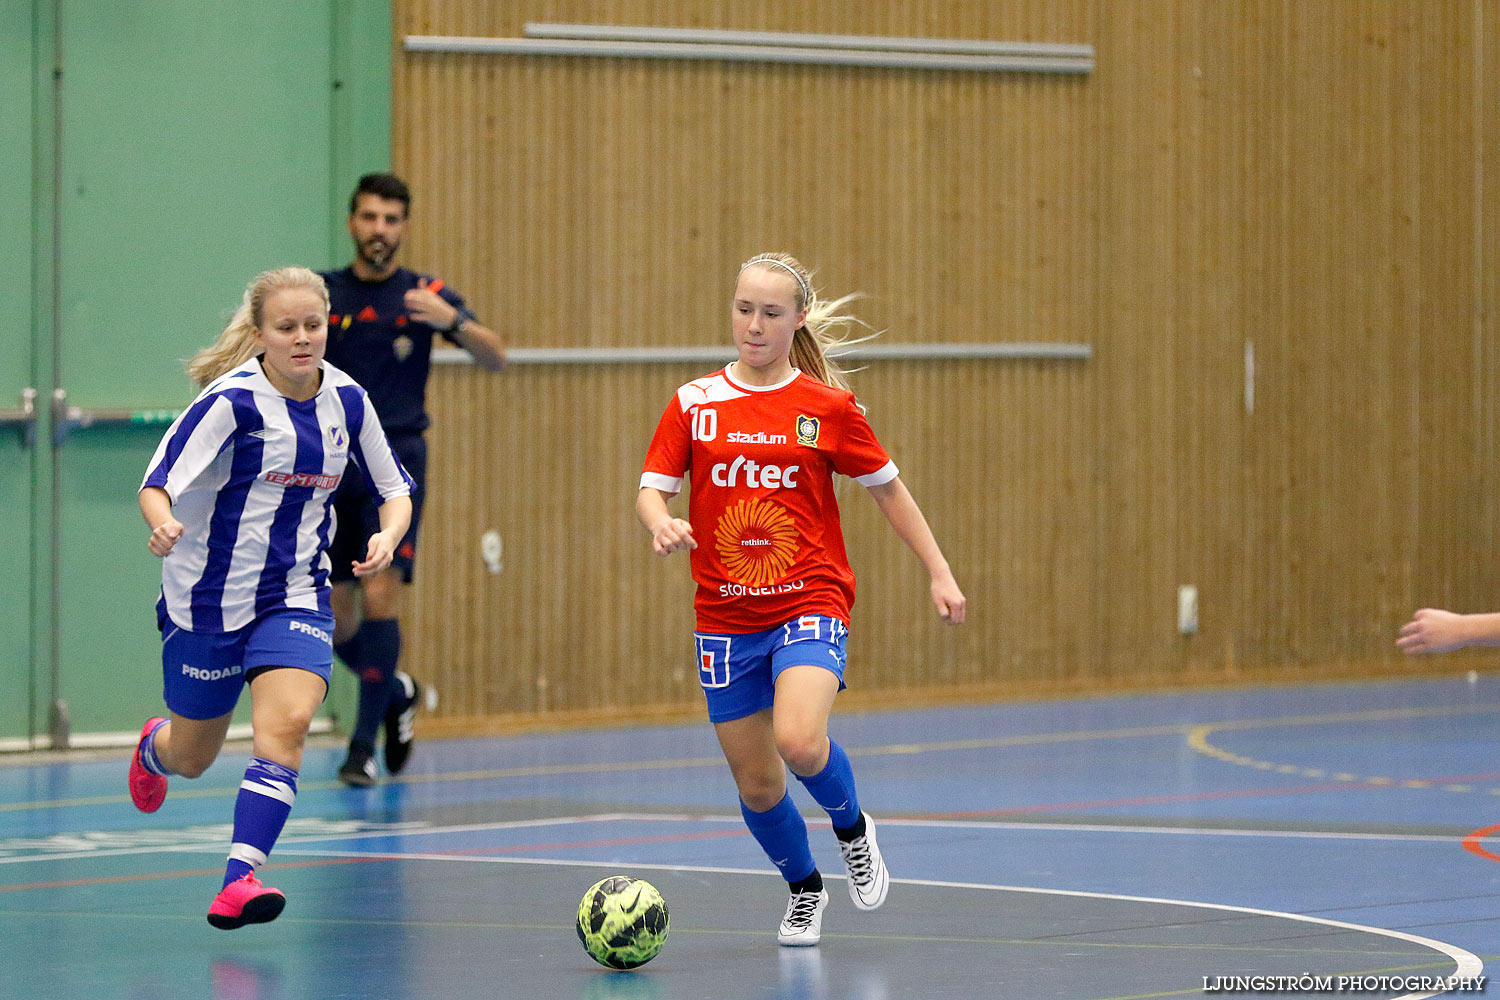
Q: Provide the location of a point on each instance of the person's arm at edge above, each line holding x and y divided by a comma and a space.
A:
1432, 630
485, 345
896, 503
395, 518
668, 534
156, 508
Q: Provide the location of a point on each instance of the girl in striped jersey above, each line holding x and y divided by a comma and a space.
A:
759, 441
238, 498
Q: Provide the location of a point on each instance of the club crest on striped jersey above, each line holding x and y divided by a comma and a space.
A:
807, 430
337, 437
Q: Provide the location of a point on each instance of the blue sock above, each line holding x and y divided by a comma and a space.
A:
379, 650
260, 811
349, 652
149, 760
833, 788
782, 834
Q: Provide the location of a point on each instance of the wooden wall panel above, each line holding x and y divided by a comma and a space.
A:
584, 617
998, 454
1451, 442
1313, 179
1484, 317
958, 201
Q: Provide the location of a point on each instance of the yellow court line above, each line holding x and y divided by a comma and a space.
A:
1198, 740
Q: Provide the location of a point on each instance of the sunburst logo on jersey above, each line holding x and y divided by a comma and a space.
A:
757, 541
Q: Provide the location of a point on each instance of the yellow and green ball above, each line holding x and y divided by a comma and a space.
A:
622, 922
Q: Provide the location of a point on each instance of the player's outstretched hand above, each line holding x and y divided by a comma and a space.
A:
1433, 631
949, 600
164, 536
671, 536
377, 556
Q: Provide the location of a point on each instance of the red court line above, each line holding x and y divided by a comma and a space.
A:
150, 876
107, 880
561, 845
1471, 842
1149, 800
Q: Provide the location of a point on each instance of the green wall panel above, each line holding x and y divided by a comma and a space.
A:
111, 651
200, 144
196, 153
18, 74
361, 106
18, 682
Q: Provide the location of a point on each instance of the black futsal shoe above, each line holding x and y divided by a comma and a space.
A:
359, 770
400, 718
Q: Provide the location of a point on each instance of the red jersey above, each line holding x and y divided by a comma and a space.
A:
761, 460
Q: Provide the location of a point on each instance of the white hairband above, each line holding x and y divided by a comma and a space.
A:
806, 295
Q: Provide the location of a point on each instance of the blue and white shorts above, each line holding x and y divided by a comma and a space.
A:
203, 672
738, 672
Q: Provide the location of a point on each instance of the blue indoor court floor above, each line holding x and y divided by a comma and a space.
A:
1169, 845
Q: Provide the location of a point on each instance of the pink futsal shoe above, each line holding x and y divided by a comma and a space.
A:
245, 901
148, 791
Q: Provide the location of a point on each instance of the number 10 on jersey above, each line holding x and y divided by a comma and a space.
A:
705, 424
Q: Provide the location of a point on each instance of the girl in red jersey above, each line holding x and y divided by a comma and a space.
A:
760, 441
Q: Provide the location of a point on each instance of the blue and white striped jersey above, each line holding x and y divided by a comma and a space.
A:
251, 476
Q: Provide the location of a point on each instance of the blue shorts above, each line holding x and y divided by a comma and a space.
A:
738, 672
203, 672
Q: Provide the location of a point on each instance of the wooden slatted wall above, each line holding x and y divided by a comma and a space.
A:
1305, 177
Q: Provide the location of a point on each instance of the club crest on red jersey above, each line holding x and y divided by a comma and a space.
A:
807, 430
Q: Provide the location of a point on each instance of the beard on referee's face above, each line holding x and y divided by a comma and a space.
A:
377, 251
377, 226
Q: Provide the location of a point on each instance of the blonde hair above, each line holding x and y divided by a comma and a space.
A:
236, 344
824, 330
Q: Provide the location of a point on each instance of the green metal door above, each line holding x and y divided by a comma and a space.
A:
20, 71
175, 149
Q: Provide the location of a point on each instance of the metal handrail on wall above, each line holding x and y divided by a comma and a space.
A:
23, 418
614, 42
792, 39
713, 354
67, 419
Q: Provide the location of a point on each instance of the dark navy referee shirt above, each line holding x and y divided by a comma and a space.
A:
378, 344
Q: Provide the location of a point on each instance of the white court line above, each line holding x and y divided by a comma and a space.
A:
201, 842
223, 830
980, 824
1468, 965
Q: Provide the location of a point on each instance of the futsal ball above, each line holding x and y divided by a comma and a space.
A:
622, 922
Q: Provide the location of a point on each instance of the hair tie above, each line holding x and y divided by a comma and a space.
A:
806, 295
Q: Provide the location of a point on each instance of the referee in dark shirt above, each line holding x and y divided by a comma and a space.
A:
381, 326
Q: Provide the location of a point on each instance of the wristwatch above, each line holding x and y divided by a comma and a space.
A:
458, 324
